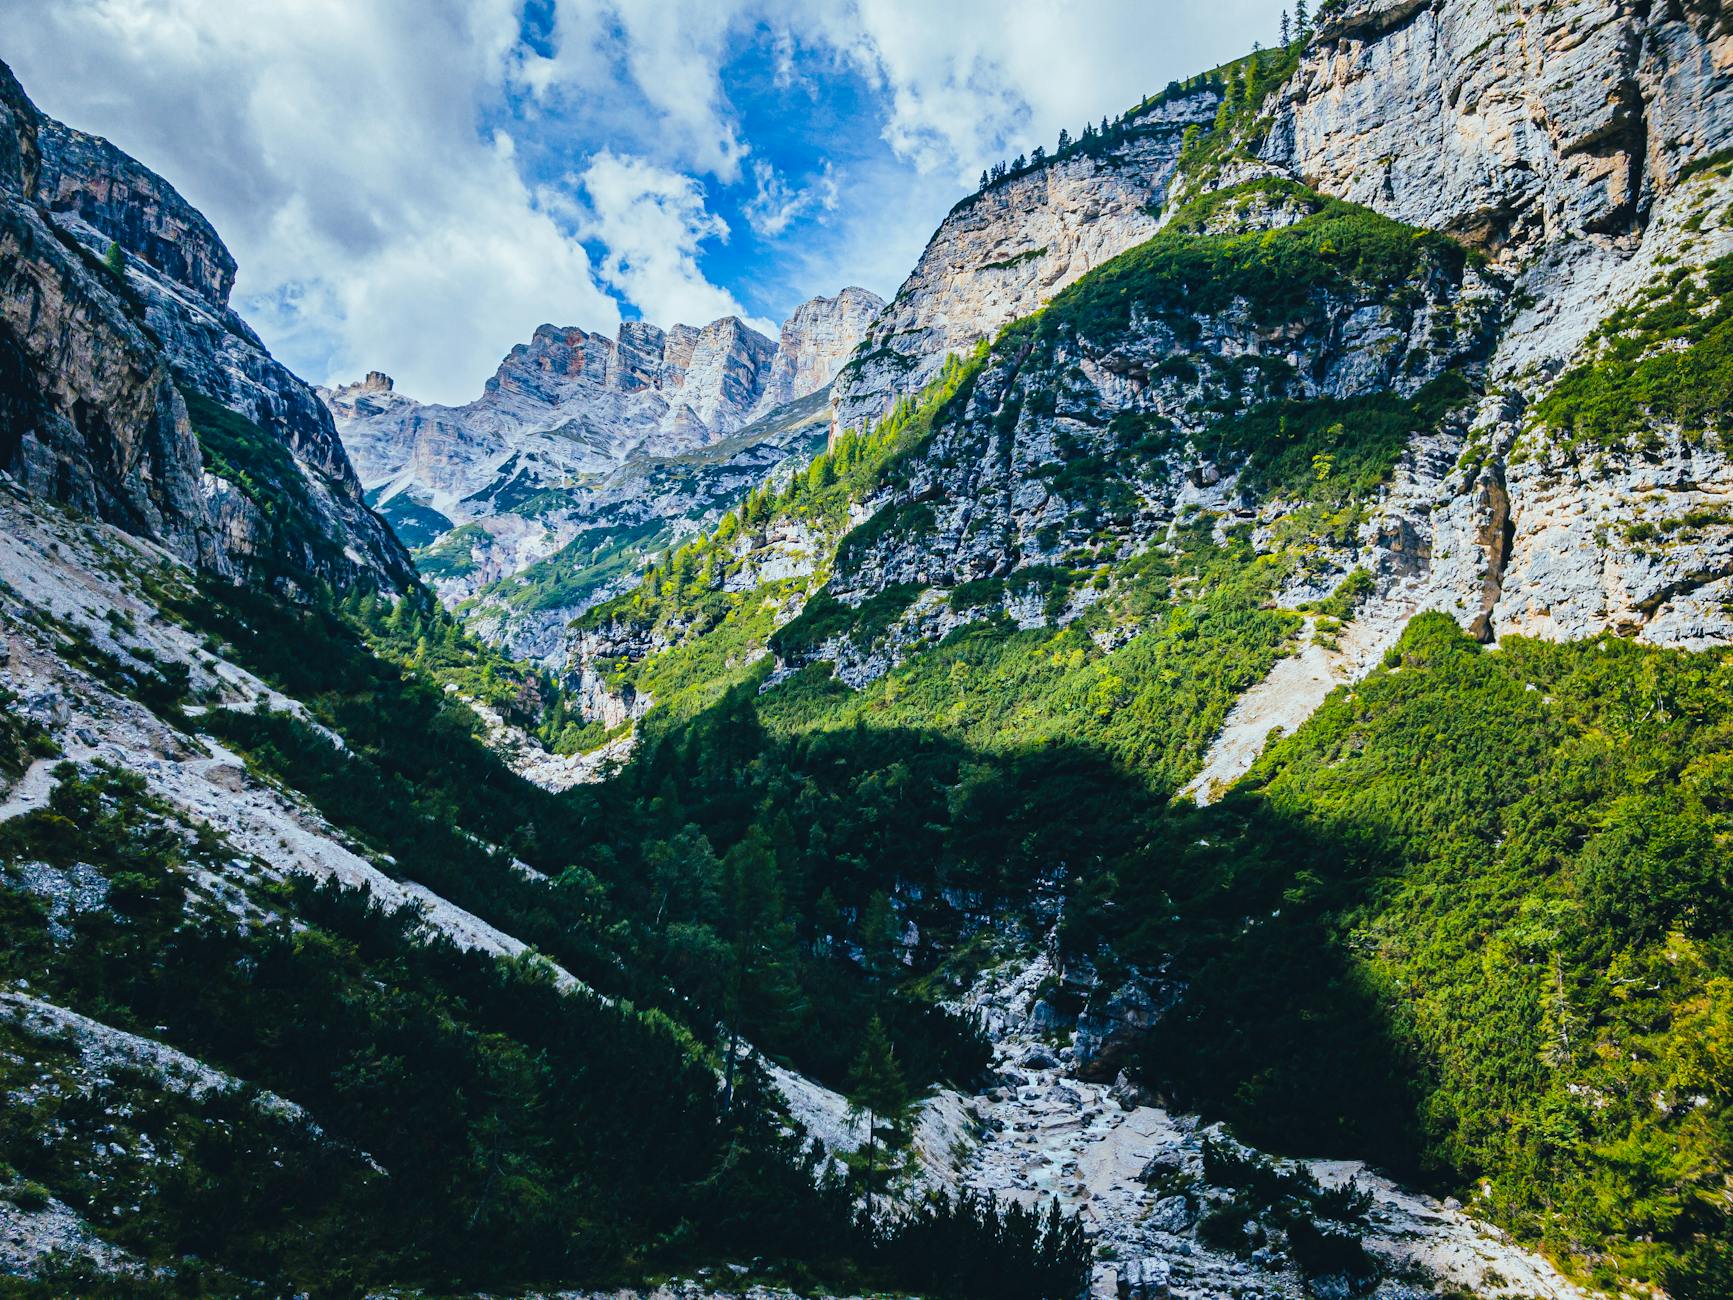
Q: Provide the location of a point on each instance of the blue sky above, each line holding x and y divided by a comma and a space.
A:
414, 185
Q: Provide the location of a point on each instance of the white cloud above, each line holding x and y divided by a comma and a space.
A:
776, 203
350, 151
661, 62
962, 82
651, 221
335, 146
971, 80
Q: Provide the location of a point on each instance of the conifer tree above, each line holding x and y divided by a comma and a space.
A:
115, 260
876, 1090
878, 937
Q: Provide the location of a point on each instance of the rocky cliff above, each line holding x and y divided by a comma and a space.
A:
1579, 154
140, 396
816, 340
1514, 127
1003, 252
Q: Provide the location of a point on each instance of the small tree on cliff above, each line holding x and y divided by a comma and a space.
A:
876, 1090
115, 260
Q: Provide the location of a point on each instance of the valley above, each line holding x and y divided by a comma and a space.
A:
1186, 754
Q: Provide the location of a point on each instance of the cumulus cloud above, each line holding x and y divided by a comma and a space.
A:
970, 79
960, 82
661, 63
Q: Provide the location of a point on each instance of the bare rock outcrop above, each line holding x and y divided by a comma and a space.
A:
817, 339
97, 366
1003, 252
1509, 125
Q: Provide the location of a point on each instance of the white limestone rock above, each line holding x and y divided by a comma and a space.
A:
1003, 252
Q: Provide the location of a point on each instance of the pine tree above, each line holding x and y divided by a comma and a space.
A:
1302, 19
768, 988
878, 937
115, 260
1064, 139
1287, 32
1019, 163
876, 1090
983, 178
1037, 156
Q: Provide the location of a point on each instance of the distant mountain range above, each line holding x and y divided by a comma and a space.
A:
584, 455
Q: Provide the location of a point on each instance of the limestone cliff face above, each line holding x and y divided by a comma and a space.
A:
1577, 144
1511, 125
582, 403
1003, 252
1583, 148
89, 414
572, 401
816, 341
96, 369
87, 176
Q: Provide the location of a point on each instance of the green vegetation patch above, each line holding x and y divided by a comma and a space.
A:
1667, 359
1153, 705
1331, 450
1487, 895
452, 556
1338, 247
22, 741
416, 525
590, 562
825, 617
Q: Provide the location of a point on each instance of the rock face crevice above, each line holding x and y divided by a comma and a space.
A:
1495, 536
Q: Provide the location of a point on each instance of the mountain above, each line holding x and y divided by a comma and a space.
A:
139, 395
1213, 781
584, 454
1168, 599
